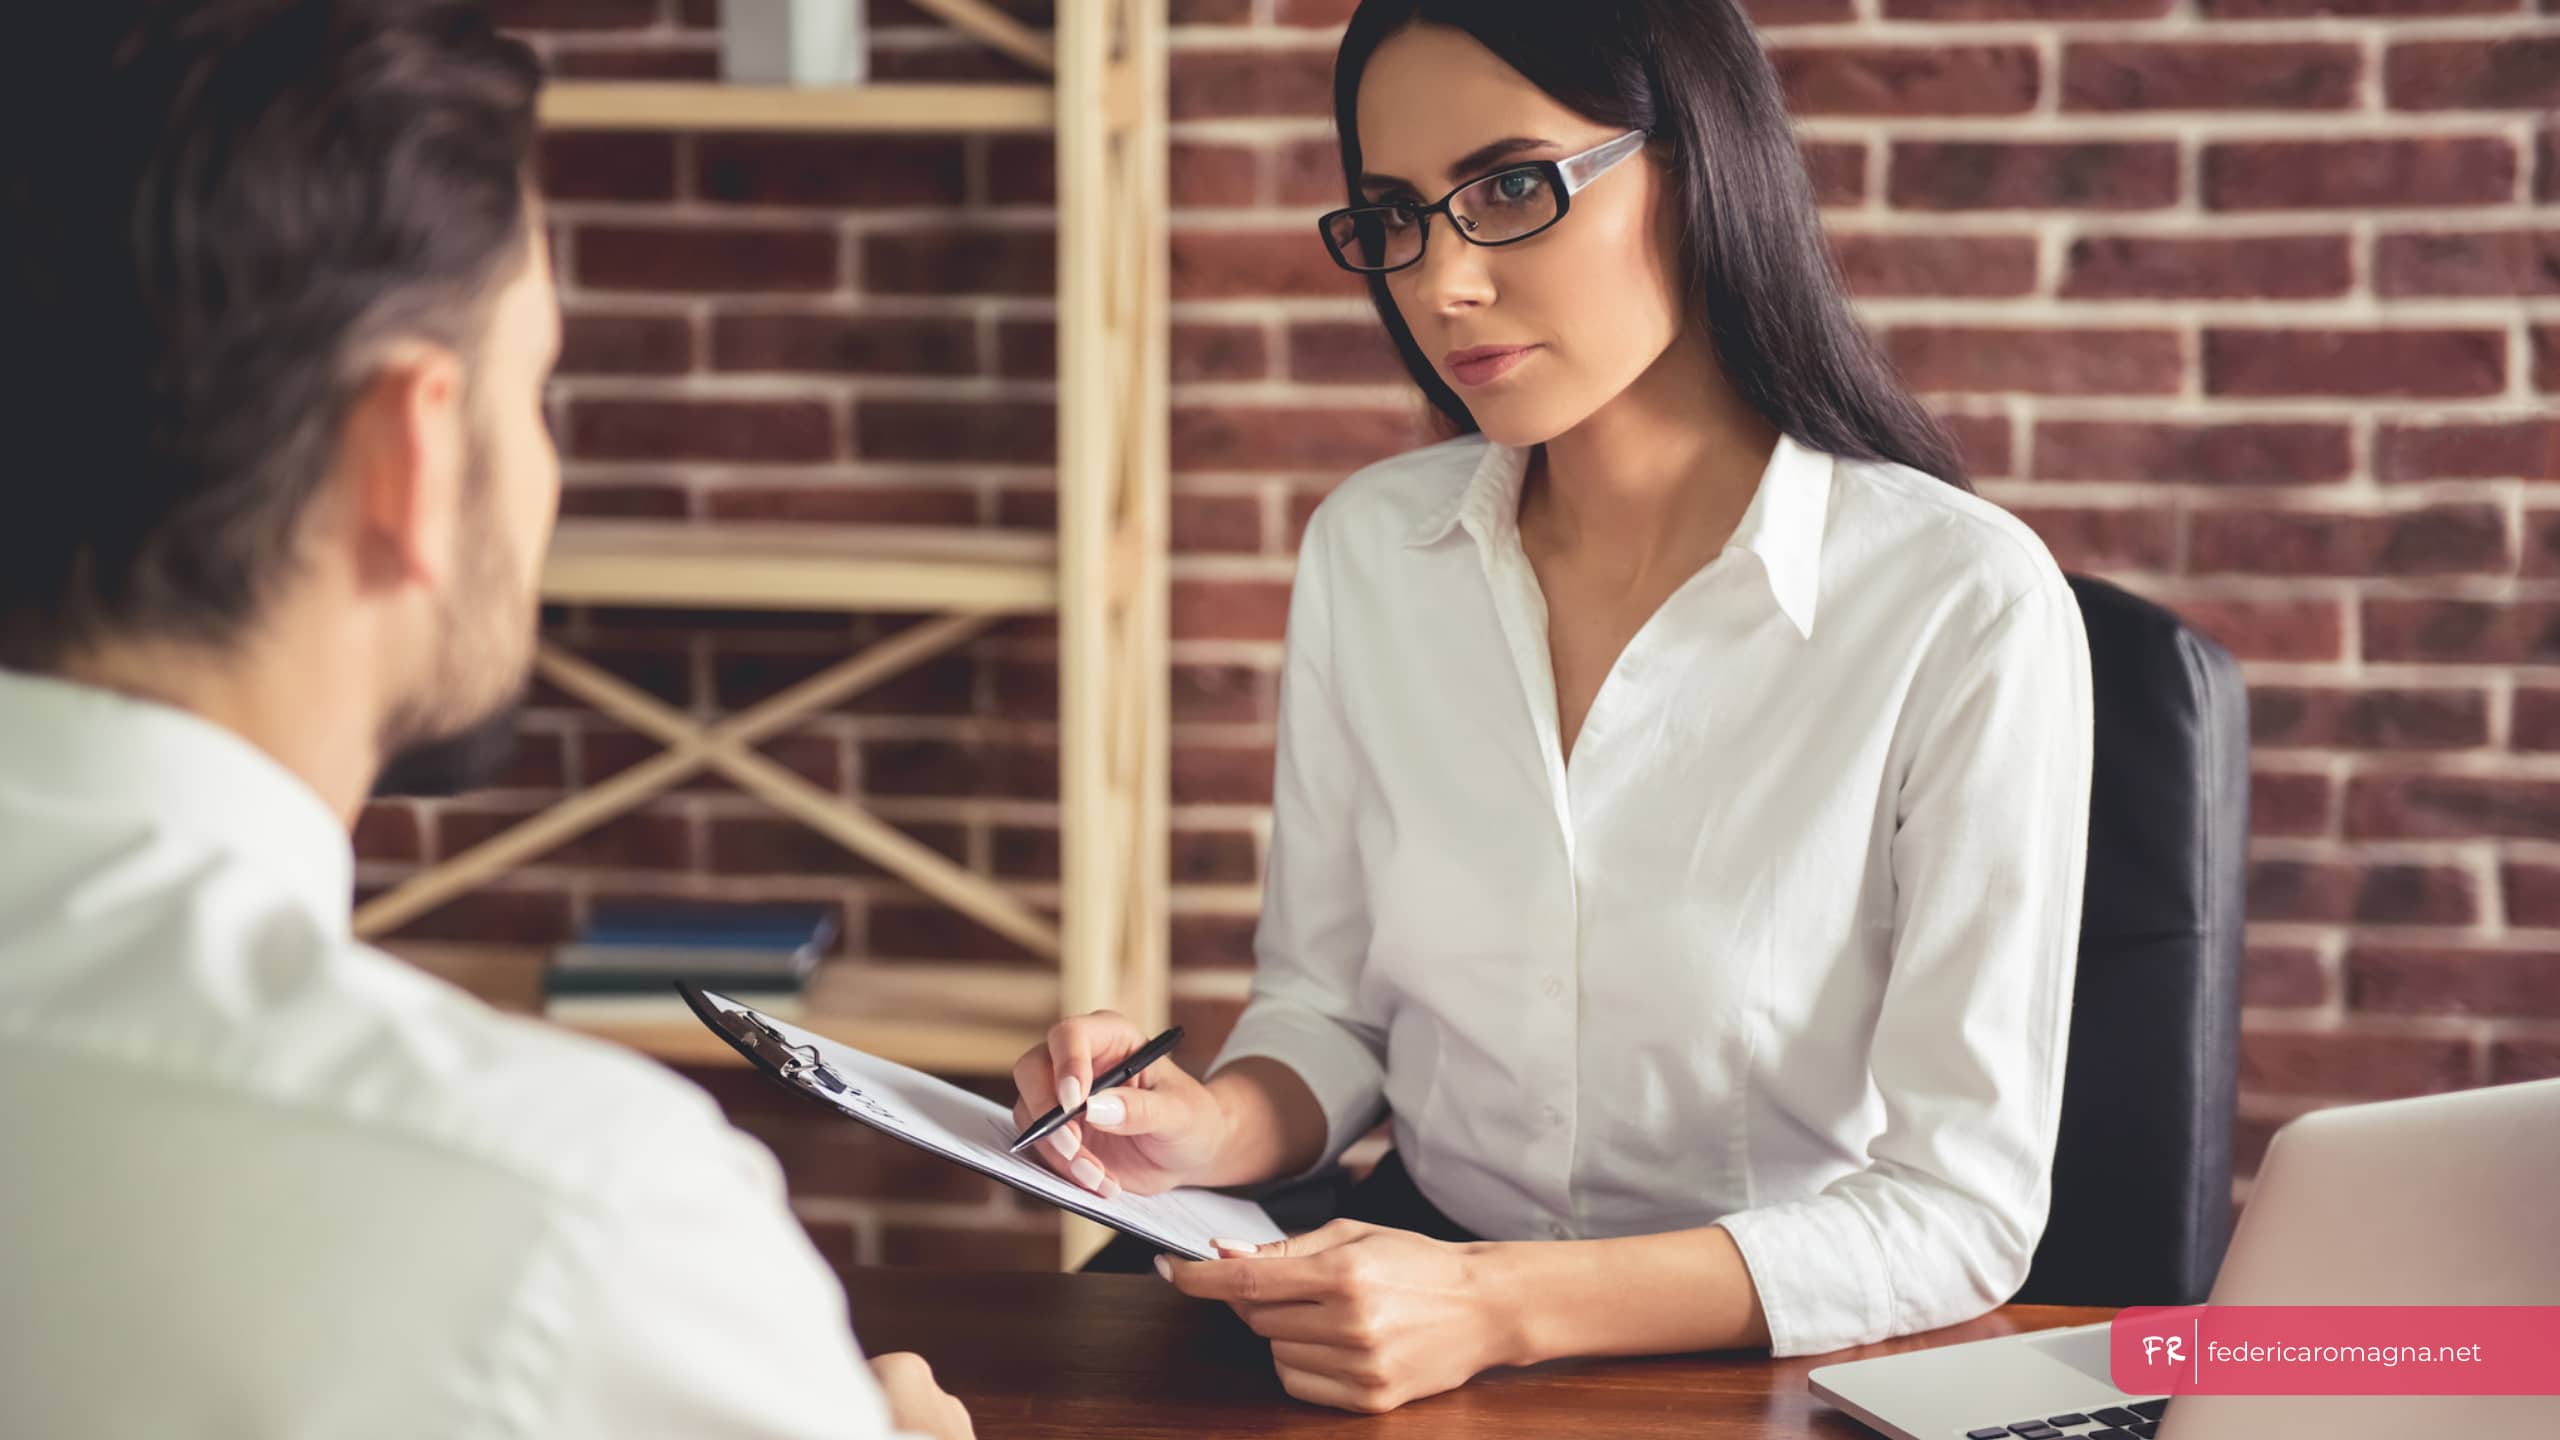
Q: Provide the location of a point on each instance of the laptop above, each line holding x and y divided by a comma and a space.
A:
2444, 1200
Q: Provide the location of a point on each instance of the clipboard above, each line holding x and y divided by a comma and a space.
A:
968, 1130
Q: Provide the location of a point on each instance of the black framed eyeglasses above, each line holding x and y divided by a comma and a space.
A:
1503, 208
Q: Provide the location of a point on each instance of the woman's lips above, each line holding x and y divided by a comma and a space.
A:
1486, 363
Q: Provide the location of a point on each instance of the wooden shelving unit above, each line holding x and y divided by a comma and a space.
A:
1102, 574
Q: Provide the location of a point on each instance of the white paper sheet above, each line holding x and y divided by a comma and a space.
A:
973, 1131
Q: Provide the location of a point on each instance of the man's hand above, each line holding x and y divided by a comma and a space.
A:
1359, 1317
916, 1403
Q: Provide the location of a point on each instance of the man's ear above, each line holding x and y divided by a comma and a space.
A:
404, 454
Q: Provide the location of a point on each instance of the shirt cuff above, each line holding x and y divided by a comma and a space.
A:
1347, 1079
1819, 1270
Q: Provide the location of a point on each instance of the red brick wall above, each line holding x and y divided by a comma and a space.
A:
2253, 305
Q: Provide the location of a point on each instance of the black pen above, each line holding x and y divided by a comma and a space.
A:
1120, 1074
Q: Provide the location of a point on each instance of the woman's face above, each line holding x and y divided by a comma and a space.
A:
1534, 336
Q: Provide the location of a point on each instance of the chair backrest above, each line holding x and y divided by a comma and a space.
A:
2142, 1172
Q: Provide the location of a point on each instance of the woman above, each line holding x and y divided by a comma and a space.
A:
1682, 778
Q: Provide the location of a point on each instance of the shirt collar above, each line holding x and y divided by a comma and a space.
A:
81, 750
1783, 526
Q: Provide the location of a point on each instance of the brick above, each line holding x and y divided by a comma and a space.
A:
2268, 9
1984, 443
1224, 695
770, 431
1221, 774
1907, 79
2410, 980
492, 916
960, 262
593, 344
2285, 716
1765, 13
1981, 175
2531, 893
832, 504
2051, 10
1007, 770
2521, 449
2510, 72
766, 845
575, 14
1894, 264
1218, 941
638, 840
927, 931
1257, 264
2291, 804
2500, 262
1230, 609
2456, 807
2106, 540
2462, 632
1018, 432
1258, 438
2537, 720
2038, 362
2283, 977
621, 501
1201, 175
388, 831
540, 761
1340, 352
829, 171
607, 165
2352, 1065
2128, 267
1216, 525
2417, 895
2239, 453
679, 61
2131, 76
2413, 363
2301, 891
748, 669
1209, 351
1838, 170
660, 667
2269, 629
2546, 358
818, 759
1263, 80
2436, 540
2513, 1061
2546, 169
1309, 172
2357, 174
706, 260
821, 1157
1194, 857
839, 344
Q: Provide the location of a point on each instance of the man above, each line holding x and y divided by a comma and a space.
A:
277, 484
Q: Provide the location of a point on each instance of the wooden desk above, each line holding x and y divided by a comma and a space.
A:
1083, 1357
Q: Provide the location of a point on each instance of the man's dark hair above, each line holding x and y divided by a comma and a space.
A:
216, 214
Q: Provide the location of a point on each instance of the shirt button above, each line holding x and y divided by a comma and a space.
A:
1554, 987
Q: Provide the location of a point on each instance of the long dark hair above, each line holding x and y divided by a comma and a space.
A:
1760, 277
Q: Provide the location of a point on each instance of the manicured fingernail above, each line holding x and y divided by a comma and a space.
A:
1110, 1188
1106, 1108
1064, 1142
1088, 1174
1239, 1246
1070, 1092
1164, 1266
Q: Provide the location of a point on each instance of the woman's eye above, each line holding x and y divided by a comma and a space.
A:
1518, 186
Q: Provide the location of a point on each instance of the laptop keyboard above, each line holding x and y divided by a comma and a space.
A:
2139, 1420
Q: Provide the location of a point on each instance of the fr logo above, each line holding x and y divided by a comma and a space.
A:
2153, 1345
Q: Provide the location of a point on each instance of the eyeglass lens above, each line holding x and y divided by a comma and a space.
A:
1503, 207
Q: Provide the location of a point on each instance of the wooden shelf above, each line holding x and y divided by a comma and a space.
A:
798, 567
888, 107
944, 1019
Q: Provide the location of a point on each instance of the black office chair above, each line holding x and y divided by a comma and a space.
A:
2142, 1173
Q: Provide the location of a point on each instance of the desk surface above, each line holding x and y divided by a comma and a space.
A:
1081, 1357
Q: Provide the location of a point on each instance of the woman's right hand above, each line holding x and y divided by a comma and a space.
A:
1161, 1130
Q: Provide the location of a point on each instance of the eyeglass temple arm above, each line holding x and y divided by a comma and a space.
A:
1580, 170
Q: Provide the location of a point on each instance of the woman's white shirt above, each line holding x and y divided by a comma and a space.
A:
1785, 945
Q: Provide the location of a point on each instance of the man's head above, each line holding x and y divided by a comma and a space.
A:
279, 316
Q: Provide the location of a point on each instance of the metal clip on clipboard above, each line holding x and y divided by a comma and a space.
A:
796, 1063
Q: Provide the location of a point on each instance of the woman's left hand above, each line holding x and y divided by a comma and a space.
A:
1359, 1317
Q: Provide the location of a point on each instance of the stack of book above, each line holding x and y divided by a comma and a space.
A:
624, 965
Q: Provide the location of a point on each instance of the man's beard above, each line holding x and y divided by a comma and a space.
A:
455, 763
